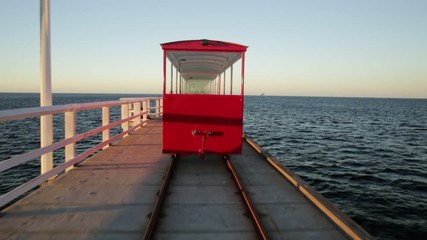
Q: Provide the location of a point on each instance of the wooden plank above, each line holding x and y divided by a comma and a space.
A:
304, 203
108, 195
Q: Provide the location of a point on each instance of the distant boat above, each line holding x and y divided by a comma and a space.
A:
261, 94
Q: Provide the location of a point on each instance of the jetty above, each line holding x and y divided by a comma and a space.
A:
116, 193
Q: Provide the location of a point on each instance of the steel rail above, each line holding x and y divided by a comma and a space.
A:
262, 233
154, 215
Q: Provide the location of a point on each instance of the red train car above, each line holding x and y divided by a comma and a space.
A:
203, 89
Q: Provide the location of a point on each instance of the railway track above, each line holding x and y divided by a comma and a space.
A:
203, 198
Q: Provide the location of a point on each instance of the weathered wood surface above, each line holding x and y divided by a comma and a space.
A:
106, 197
284, 211
203, 203
110, 195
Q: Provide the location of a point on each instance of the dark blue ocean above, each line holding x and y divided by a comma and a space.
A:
367, 155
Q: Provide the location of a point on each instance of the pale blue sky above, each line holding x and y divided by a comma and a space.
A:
365, 48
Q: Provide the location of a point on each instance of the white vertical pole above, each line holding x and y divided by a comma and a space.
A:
161, 106
105, 122
180, 82
223, 90
157, 107
171, 78
164, 72
231, 80
46, 122
125, 114
217, 84
242, 91
218, 90
176, 81
70, 131
137, 111
145, 109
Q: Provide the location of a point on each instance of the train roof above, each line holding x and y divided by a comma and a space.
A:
202, 59
204, 45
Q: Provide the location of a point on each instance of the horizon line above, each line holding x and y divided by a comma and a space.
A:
256, 95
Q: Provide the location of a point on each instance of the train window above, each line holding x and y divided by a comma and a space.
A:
194, 72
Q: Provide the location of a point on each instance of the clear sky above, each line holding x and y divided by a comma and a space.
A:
362, 48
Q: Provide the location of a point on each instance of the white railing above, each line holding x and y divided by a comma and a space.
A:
134, 112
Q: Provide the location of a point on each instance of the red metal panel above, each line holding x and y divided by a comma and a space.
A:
204, 45
189, 118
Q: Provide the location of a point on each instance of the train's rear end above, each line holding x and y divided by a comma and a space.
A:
203, 90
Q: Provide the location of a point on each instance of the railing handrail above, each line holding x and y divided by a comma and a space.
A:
22, 113
130, 112
16, 160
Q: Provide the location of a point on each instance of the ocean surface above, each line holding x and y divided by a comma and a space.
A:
368, 156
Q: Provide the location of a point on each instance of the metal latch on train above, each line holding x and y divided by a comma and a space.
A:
204, 135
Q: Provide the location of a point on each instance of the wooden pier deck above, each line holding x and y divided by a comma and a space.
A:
106, 197
110, 195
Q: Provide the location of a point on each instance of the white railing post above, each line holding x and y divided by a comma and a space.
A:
46, 122
145, 108
137, 111
161, 106
105, 122
46, 139
70, 131
125, 114
131, 109
157, 107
